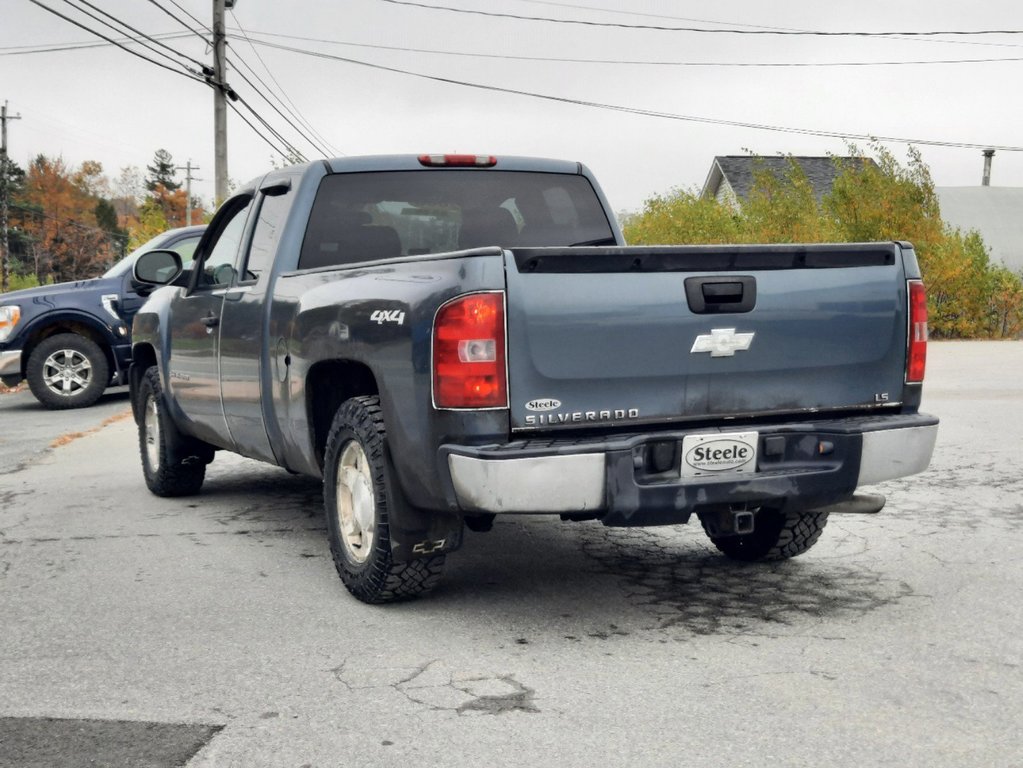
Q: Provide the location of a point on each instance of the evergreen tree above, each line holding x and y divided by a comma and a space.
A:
162, 173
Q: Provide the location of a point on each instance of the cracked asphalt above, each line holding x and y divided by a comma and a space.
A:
894, 642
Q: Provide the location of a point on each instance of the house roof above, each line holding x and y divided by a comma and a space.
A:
737, 171
995, 212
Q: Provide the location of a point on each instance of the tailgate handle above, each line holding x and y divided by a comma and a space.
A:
714, 295
722, 293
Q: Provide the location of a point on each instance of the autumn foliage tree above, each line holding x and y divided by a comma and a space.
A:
59, 211
968, 297
70, 223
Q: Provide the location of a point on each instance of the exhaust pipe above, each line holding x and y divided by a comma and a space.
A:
859, 504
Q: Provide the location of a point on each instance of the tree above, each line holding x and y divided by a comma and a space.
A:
12, 178
1006, 303
128, 189
67, 243
172, 203
90, 179
162, 172
682, 216
106, 218
151, 222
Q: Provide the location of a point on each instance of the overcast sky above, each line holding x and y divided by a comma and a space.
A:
101, 103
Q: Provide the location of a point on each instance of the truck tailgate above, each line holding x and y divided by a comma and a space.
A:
601, 337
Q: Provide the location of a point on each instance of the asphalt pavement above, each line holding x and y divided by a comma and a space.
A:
28, 430
217, 624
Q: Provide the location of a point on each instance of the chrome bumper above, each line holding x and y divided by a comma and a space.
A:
537, 484
10, 363
892, 453
603, 478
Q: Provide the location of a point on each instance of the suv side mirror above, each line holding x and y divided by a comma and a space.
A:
157, 268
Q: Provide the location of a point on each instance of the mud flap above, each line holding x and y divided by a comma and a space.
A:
417, 533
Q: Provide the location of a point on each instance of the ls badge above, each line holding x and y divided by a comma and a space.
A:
722, 342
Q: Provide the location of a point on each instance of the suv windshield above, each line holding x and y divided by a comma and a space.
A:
185, 248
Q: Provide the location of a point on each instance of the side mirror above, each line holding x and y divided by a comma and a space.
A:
157, 268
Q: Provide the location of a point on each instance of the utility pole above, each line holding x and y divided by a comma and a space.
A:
5, 269
220, 90
188, 168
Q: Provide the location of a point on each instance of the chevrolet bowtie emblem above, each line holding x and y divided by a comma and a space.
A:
722, 342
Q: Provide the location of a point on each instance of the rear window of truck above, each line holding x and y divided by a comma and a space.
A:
361, 217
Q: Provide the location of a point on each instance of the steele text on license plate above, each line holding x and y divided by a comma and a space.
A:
719, 453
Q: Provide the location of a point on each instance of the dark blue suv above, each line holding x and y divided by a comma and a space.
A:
73, 340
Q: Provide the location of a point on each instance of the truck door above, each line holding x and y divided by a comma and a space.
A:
194, 348
243, 326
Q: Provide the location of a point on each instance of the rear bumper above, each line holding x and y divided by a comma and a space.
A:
619, 480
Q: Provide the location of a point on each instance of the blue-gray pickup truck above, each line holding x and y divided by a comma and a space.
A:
448, 338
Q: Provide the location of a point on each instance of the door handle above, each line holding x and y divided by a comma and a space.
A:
211, 320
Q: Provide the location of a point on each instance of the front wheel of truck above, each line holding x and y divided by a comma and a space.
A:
358, 496
173, 465
777, 535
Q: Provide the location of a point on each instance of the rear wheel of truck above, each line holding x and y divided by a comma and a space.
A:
358, 496
776, 535
67, 371
173, 465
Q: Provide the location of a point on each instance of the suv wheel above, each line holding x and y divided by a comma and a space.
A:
67, 371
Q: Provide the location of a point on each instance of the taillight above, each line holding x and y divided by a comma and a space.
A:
469, 353
916, 358
456, 161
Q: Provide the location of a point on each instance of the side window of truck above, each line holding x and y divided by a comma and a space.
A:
273, 210
218, 263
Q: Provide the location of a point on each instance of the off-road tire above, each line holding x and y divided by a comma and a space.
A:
357, 477
67, 370
776, 535
173, 464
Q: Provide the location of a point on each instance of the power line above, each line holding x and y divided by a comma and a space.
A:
186, 73
21, 50
631, 62
290, 151
185, 11
653, 113
739, 24
278, 111
182, 23
140, 41
294, 111
255, 130
708, 30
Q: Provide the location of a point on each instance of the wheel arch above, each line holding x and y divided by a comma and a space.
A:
143, 357
328, 384
81, 325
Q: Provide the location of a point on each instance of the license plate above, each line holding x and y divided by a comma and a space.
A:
719, 454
